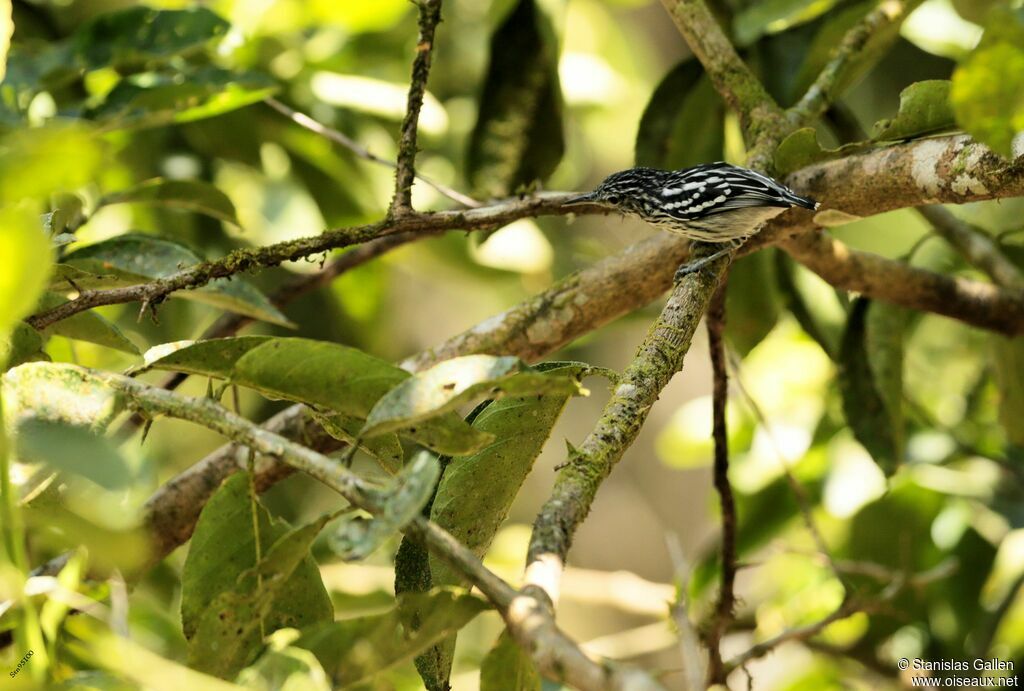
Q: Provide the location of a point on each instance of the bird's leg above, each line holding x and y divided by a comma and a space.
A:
698, 264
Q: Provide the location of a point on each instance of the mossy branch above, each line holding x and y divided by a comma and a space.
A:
659, 357
405, 173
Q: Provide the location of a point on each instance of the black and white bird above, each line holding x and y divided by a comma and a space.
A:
713, 202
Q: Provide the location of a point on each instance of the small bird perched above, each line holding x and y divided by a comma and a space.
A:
713, 202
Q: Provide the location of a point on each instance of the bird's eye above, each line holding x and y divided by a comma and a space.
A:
613, 199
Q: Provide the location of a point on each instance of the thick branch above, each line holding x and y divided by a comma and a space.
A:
243, 260
863, 44
733, 80
430, 15
530, 621
659, 357
973, 302
939, 170
975, 245
575, 305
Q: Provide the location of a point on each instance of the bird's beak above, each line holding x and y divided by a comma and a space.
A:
587, 198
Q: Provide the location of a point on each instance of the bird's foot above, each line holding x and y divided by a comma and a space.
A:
698, 264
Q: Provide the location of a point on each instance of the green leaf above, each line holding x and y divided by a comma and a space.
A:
60, 392
508, 667
21, 344
801, 148
752, 302
924, 109
518, 135
808, 311
139, 35
869, 401
27, 262
455, 382
884, 329
476, 492
74, 449
191, 195
285, 667
34, 162
988, 88
352, 651
1008, 358
87, 326
225, 596
386, 448
682, 124
155, 100
327, 375
401, 503
136, 258
775, 16
67, 216
212, 358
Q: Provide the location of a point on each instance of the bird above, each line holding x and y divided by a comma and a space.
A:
713, 203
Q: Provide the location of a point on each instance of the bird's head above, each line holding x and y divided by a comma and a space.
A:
623, 191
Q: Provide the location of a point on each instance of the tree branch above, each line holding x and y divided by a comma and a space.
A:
631, 279
726, 596
242, 260
659, 357
975, 245
973, 302
938, 170
741, 90
430, 15
575, 305
530, 621
303, 120
865, 40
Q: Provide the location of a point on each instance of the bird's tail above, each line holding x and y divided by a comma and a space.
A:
805, 202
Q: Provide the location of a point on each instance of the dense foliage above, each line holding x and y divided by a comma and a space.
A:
876, 450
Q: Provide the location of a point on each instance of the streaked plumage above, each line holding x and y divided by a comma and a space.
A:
714, 202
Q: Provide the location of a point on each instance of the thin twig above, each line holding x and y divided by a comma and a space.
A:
250, 259
430, 15
720, 393
303, 120
975, 245
230, 323
694, 660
